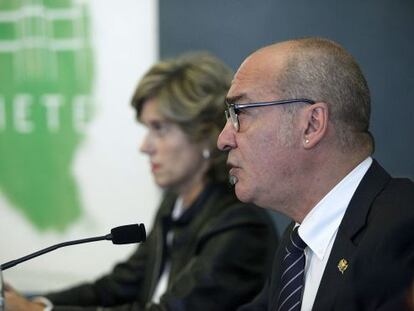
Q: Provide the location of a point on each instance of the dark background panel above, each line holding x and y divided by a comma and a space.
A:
379, 33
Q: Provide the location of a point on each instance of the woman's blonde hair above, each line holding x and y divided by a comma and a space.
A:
190, 92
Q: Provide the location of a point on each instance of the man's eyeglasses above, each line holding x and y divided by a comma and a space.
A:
233, 109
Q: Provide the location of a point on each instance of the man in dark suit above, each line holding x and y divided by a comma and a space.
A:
298, 141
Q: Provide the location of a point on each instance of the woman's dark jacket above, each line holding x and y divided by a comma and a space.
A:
220, 256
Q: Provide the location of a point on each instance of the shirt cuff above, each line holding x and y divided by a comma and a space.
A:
43, 300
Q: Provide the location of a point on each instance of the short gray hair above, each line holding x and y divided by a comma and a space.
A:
322, 70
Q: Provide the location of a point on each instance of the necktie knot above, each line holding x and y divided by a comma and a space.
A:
296, 245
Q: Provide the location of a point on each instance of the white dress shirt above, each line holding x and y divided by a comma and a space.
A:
163, 281
319, 228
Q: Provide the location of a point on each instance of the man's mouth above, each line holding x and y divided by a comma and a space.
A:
232, 170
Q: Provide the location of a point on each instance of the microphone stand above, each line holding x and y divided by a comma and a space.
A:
2, 307
12, 263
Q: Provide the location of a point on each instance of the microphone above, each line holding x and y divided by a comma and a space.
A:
233, 180
120, 235
127, 234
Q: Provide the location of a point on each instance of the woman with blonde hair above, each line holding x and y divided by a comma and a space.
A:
206, 250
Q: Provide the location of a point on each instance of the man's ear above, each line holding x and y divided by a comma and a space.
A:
316, 124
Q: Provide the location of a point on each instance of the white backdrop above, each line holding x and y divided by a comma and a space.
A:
114, 179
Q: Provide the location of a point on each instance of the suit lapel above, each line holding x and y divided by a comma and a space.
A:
349, 234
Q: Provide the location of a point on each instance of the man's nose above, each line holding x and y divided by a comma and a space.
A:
226, 139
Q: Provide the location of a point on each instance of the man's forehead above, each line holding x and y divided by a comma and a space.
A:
240, 90
255, 77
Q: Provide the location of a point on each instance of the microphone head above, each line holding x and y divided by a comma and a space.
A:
128, 234
233, 180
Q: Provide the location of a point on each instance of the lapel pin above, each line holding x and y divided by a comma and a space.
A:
342, 265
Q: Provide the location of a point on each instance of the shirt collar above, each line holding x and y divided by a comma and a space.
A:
321, 224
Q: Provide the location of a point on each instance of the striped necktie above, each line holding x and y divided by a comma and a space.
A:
293, 267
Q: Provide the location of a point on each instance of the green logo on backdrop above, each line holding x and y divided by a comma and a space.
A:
45, 103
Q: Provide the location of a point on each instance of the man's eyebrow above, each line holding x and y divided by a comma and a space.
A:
233, 99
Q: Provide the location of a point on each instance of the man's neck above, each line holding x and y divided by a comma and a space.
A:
320, 182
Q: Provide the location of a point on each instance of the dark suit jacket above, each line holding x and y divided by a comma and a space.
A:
372, 238
220, 255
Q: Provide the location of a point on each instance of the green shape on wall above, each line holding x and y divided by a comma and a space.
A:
46, 75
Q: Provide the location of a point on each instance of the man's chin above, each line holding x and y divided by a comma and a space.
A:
242, 194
